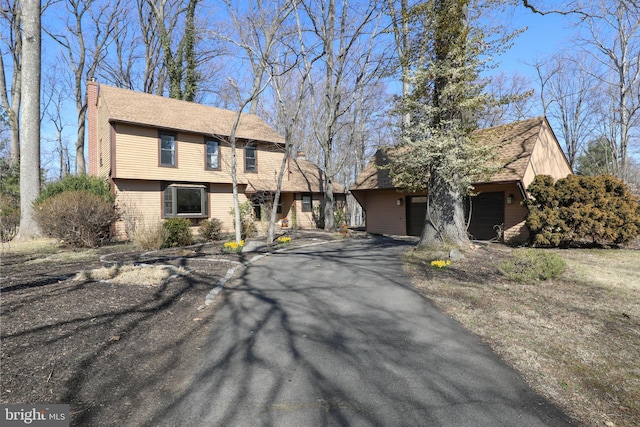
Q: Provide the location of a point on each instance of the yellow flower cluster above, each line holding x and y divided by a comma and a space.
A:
234, 246
284, 239
440, 263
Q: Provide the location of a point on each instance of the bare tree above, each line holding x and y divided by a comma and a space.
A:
336, 33
400, 20
258, 31
30, 118
570, 96
613, 41
89, 30
10, 13
54, 97
510, 100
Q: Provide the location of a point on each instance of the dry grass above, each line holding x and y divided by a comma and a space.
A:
142, 275
30, 246
575, 339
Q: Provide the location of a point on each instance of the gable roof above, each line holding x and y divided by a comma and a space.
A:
304, 176
515, 142
127, 106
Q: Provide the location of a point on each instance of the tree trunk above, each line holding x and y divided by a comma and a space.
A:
445, 221
30, 119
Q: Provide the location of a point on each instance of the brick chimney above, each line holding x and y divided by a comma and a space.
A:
93, 89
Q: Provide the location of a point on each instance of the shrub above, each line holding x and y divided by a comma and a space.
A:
178, 232
79, 218
90, 184
9, 199
150, 236
247, 223
210, 229
579, 209
531, 265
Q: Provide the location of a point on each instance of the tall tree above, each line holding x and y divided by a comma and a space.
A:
89, 27
179, 61
257, 31
437, 153
30, 118
10, 96
570, 96
338, 32
400, 22
613, 41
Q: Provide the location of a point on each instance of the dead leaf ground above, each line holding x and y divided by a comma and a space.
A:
575, 339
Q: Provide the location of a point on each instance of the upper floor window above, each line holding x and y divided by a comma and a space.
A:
213, 154
167, 149
250, 164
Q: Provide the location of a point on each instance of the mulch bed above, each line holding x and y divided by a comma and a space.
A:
102, 347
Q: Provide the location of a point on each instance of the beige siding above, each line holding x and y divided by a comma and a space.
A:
221, 204
140, 204
305, 220
137, 158
383, 215
547, 158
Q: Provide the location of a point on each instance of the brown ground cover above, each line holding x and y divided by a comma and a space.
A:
575, 339
111, 347
107, 330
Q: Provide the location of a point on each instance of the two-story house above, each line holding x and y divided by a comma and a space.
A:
169, 158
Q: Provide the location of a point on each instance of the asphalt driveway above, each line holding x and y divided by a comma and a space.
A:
335, 334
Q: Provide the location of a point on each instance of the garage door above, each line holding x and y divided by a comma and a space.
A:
487, 212
416, 212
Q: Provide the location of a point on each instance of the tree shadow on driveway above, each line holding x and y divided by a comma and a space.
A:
337, 335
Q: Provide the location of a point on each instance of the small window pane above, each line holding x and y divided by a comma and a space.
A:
168, 202
250, 159
167, 150
213, 155
306, 203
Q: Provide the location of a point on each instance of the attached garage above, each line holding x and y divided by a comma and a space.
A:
526, 149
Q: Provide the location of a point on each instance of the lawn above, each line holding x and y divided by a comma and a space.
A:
575, 338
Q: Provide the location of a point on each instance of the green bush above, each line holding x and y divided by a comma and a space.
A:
531, 265
582, 209
90, 184
79, 218
210, 229
178, 232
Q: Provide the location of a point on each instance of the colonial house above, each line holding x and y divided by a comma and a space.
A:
524, 150
169, 158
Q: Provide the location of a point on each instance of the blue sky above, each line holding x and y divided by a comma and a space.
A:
545, 36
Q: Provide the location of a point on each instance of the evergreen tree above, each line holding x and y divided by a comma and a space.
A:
596, 159
437, 152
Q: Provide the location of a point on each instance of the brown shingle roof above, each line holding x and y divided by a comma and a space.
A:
150, 110
304, 177
515, 142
